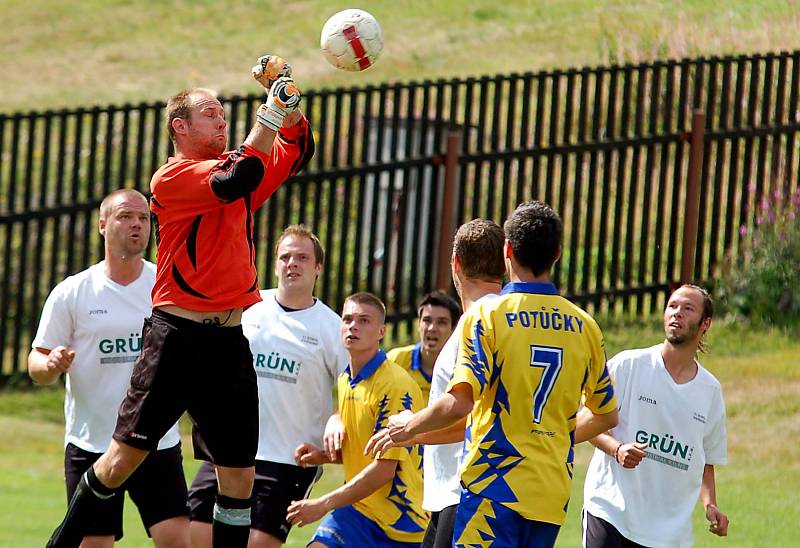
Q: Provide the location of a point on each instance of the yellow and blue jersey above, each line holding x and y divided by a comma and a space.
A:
530, 357
381, 389
410, 358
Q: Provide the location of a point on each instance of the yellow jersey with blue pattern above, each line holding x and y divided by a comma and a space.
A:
531, 357
410, 358
381, 389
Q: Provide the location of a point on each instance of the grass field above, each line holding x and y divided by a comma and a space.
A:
759, 371
61, 53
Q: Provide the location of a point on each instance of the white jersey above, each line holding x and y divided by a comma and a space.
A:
102, 322
684, 428
297, 356
440, 462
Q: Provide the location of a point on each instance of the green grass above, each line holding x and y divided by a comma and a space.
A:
757, 367
61, 53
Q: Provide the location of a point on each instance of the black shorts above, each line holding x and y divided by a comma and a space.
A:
157, 488
439, 533
203, 369
598, 533
276, 486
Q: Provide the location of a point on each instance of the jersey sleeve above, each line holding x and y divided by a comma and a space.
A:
291, 151
599, 390
715, 438
475, 353
401, 395
56, 324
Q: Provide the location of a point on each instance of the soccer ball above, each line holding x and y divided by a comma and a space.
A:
351, 40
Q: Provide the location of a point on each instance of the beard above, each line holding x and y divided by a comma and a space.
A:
688, 335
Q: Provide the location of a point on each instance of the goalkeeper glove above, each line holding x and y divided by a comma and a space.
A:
269, 69
283, 98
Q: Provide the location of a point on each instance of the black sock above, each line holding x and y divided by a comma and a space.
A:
89, 495
231, 527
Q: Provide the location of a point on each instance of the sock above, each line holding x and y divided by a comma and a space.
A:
89, 495
231, 527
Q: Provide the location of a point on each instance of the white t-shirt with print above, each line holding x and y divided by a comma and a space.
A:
102, 322
297, 357
440, 462
684, 427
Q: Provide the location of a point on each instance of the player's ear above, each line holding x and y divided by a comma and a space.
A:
179, 126
382, 331
507, 250
706, 325
101, 226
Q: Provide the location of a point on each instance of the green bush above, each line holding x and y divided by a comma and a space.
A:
763, 283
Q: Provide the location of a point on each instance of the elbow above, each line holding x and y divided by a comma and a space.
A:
237, 177
611, 420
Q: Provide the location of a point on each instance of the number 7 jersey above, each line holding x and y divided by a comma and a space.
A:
531, 358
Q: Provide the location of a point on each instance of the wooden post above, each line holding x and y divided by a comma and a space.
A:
692, 203
446, 228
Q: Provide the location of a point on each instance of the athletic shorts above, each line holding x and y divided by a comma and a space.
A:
439, 533
346, 526
484, 522
598, 533
276, 486
203, 369
157, 488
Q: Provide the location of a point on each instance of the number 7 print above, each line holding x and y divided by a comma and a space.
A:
549, 358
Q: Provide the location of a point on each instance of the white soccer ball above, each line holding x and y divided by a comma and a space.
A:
351, 40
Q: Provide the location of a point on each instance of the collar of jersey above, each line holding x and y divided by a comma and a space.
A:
368, 369
540, 288
416, 361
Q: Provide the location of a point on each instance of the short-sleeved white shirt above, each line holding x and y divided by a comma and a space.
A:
102, 322
297, 357
440, 462
684, 427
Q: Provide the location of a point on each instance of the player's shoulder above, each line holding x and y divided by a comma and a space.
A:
326, 313
707, 377
393, 372
634, 357
75, 282
398, 352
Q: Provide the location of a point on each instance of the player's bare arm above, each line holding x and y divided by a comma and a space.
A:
46, 366
370, 479
589, 424
718, 521
381, 441
333, 438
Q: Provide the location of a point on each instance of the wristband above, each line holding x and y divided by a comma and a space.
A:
269, 118
616, 453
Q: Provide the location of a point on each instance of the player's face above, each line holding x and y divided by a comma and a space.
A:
296, 265
435, 326
682, 317
362, 327
207, 128
127, 227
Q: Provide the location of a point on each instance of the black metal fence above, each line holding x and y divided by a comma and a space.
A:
608, 147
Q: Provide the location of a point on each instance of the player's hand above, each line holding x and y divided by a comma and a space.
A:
282, 100
379, 443
333, 438
303, 512
269, 68
397, 425
631, 454
307, 454
718, 522
60, 359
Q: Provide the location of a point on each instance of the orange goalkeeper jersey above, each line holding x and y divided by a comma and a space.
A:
203, 212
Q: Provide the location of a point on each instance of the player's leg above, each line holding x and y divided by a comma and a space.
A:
598, 533
441, 530
202, 496
76, 463
276, 486
158, 488
224, 407
94, 497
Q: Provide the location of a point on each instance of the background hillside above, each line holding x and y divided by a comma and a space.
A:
58, 53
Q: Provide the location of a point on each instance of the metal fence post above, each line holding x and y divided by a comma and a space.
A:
692, 203
446, 227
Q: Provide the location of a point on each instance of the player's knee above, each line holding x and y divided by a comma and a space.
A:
171, 533
235, 482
